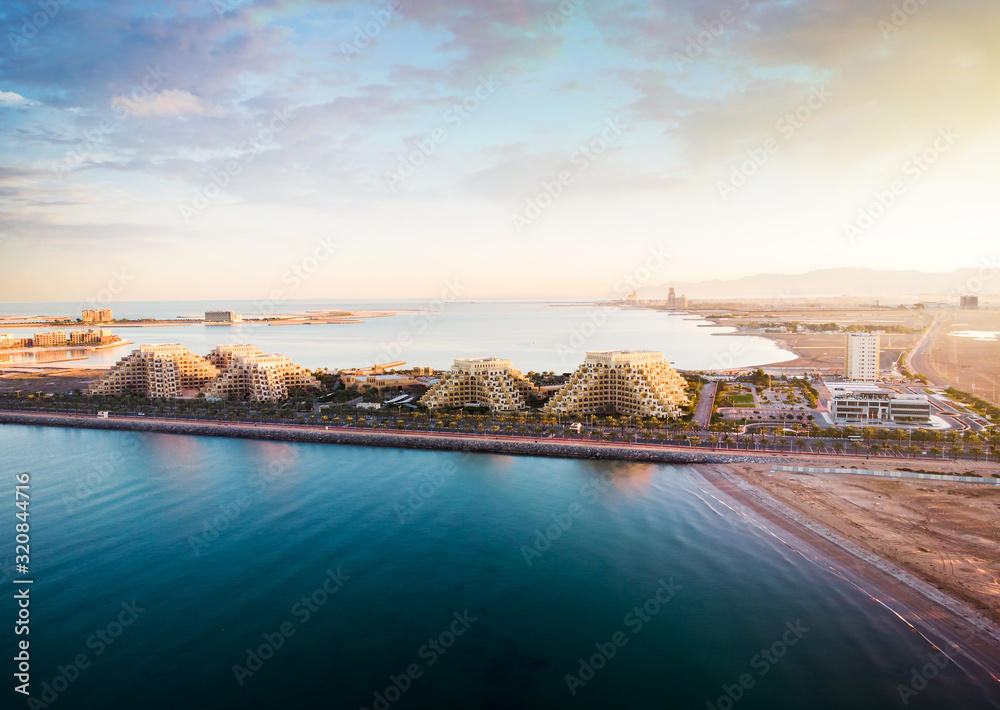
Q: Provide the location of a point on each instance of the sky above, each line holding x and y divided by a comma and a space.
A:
229, 148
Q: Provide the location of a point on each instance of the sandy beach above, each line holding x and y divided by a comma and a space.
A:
926, 550
946, 533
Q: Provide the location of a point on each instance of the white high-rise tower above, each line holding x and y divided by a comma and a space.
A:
861, 364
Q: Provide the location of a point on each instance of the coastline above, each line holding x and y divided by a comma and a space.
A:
956, 624
513, 446
950, 622
50, 348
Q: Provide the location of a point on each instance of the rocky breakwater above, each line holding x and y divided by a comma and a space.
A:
410, 440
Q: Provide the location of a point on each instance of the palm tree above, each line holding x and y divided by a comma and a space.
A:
936, 450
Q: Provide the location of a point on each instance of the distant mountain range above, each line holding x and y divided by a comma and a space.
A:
844, 282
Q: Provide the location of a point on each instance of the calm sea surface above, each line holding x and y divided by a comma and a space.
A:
535, 335
164, 561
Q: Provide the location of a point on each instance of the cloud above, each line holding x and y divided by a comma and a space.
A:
9, 98
171, 102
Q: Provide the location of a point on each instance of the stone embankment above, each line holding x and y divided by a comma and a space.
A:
410, 440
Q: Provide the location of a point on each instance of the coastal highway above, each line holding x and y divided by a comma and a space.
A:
918, 358
739, 454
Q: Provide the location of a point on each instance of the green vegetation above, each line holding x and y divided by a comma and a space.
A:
833, 327
977, 404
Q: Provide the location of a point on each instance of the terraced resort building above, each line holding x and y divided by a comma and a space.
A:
633, 382
259, 378
223, 355
157, 371
172, 370
480, 382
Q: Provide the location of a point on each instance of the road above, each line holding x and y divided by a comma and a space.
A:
918, 359
706, 402
748, 453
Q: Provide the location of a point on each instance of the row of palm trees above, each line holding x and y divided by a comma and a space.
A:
868, 440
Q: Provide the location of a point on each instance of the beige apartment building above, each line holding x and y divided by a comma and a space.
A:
484, 382
97, 315
259, 378
8, 342
89, 337
633, 382
42, 340
157, 371
223, 355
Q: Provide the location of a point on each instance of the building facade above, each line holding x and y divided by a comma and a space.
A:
969, 303
89, 337
42, 340
633, 382
97, 315
872, 405
8, 342
417, 379
223, 355
222, 317
861, 362
157, 371
480, 382
259, 378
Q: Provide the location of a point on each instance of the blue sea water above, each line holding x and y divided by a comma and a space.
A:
535, 335
168, 563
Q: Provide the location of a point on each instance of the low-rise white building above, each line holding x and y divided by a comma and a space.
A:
860, 403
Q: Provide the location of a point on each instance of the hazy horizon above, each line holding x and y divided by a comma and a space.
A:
209, 149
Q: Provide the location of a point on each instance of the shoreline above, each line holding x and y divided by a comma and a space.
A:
517, 446
53, 348
948, 623
485, 443
945, 619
